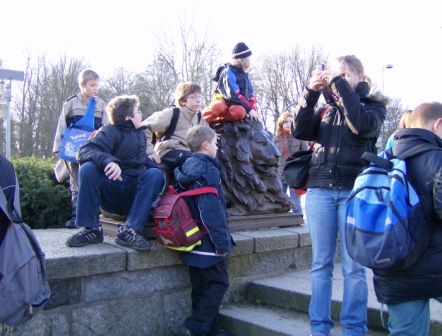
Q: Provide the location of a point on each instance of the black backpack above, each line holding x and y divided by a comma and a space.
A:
23, 285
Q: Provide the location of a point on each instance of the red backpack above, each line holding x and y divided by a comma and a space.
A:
175, 226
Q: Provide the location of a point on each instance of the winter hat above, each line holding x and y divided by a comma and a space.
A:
241, 51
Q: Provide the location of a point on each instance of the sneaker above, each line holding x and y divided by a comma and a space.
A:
86, 236
70, 224
127, 236
221, 333
183, 331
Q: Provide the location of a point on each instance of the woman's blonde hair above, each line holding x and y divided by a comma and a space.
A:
355, 65
281, 120
242, 62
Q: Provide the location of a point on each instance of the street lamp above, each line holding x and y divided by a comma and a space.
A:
5, 98
388, 66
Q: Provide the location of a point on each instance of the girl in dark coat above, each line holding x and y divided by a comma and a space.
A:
349, 127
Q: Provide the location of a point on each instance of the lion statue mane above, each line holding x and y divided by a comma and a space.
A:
250, 179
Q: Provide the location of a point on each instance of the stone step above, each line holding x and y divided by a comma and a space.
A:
261, 320
292, 291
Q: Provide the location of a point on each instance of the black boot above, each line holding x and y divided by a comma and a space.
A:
70, 224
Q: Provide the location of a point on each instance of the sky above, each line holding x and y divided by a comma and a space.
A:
111, 34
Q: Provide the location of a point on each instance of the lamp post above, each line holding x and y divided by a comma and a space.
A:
5, 98
387, 66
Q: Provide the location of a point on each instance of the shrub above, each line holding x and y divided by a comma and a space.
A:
44, 202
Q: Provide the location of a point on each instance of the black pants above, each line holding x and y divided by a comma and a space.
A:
208, 288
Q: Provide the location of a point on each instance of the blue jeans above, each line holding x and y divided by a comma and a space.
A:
132, 197
295, 198
410, 318
325, 211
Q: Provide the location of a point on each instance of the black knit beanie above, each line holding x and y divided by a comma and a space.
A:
241, 51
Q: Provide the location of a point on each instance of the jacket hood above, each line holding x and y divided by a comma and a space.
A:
406, 138
195, 167
377, 95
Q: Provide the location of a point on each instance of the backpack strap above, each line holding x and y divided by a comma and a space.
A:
200, 191
377, 160
409, 153
172, 126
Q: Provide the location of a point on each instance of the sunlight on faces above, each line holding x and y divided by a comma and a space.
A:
136, 119
287, 123
211, 147
347, 73
90, 88
192, 102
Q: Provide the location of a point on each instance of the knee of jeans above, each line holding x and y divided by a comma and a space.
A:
87, 169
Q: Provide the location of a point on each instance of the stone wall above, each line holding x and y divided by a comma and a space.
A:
107, 289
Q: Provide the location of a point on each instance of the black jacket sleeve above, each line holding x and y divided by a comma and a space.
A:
98, 149
364, 118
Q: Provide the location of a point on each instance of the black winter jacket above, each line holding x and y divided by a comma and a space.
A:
342, 135
424, 279
121, 143
201, 170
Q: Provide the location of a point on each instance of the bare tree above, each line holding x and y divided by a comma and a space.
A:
280, 78
42, 93
395, 110
191, 58
121, 82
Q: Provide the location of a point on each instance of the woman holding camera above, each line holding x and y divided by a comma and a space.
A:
349, 127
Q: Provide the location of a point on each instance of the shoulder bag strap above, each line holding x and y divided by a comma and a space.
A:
88, 118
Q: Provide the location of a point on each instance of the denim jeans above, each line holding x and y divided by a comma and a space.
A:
325, 212
410, 318
295, 198
133, 196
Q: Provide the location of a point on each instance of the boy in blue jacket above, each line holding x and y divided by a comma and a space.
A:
207, 262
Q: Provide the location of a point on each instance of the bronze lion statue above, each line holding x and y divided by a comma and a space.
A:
251, 182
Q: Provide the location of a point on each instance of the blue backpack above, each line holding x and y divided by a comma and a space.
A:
385, 224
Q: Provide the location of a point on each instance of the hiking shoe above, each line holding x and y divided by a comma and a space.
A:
86, 236
127, 236
183, 331
70, 224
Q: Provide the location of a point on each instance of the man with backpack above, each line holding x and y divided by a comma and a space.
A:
407, 292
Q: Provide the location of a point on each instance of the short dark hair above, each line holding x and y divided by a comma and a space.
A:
121, 107
197, 135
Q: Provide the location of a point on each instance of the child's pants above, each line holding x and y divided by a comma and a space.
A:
208, 288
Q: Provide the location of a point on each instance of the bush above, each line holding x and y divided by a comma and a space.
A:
44, 202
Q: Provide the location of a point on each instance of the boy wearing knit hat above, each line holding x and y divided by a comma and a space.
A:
234, 95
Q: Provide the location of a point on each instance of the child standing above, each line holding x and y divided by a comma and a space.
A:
117, 175
234, 94
74, 108
174, 151
207, 262
287, 145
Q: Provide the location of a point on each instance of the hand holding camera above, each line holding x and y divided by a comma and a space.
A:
321, 79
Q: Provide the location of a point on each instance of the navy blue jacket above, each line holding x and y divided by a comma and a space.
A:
423, 280
200, 170
231, 80
121, 143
